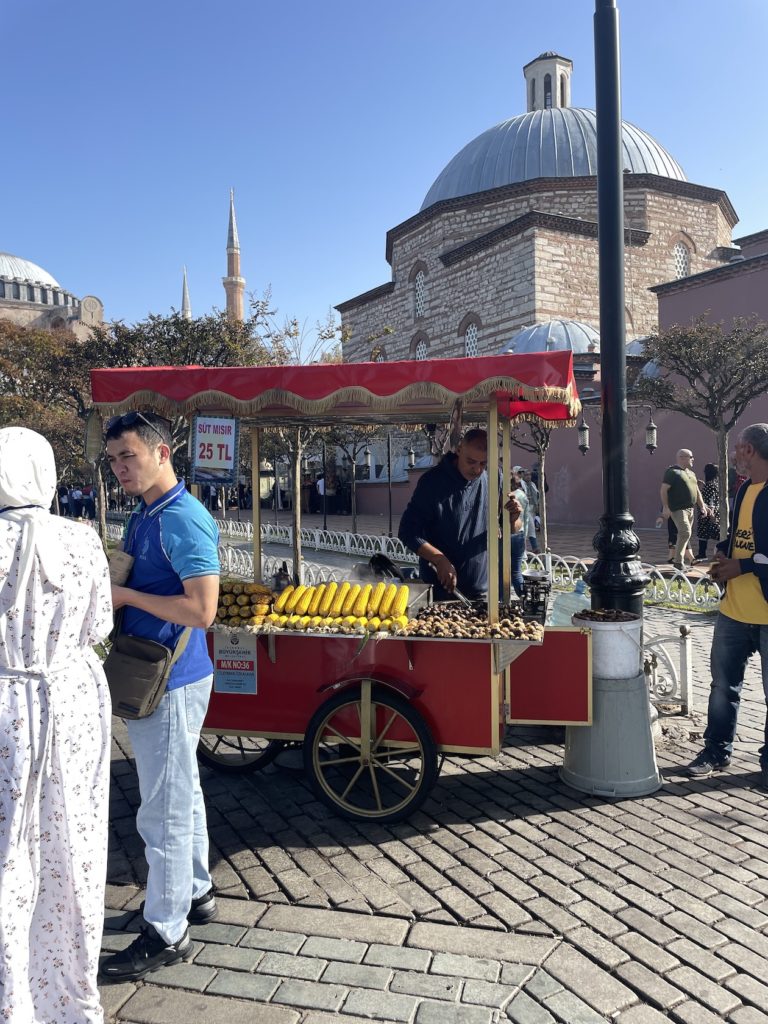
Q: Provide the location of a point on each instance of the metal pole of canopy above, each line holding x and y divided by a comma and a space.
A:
256, 503
506, 536
493, 510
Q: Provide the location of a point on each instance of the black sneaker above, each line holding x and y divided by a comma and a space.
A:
705, 764
203, 909
146, 953
763, 783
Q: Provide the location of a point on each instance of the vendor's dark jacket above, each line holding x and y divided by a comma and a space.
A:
451, 513
759, 535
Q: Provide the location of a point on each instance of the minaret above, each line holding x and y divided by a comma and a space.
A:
186, 308
548, 81
234, 285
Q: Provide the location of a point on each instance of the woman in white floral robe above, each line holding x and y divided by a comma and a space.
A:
54, 746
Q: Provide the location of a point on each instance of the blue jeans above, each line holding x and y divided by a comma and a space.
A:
732, 644
171, 818
518, 554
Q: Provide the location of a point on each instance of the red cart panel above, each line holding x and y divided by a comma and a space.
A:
552, 684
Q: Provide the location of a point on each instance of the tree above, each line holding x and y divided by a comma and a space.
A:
353, 440
709, 374
535, 437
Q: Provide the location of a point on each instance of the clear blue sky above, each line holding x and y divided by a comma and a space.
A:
125, 124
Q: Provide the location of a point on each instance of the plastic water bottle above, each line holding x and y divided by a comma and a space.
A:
567, 604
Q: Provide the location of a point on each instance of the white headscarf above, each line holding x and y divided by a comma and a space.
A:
27, 486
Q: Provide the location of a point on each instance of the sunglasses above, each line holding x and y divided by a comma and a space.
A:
130, 419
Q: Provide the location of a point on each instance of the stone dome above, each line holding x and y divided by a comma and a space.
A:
16, 268
555, 336
552, 140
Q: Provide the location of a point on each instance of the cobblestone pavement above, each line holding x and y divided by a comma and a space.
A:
508, 897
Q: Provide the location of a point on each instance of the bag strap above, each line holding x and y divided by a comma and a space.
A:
178, 649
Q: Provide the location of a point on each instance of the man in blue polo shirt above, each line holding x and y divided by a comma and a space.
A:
174, 583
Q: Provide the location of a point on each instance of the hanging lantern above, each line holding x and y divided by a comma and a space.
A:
583, 432
650, 435
411, 458
367, 456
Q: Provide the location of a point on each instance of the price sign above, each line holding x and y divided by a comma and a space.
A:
234, 662
214, 449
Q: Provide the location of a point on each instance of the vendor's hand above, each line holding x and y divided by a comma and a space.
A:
119, 597
446, 573
723, 568
513, 506
665, 513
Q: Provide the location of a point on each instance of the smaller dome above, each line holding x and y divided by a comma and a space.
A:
555, 336
25, 270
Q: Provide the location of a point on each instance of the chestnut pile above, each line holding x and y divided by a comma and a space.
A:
462, 622
606, 615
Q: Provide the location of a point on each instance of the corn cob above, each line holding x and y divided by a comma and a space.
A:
399, 623
282, 599
293, 600
361, 604
374, 624
386, 601
315, 621
317, 597
303, 622
375, 599
327, 599
338, 601
349, 601
400, 603
302, 605
385, 624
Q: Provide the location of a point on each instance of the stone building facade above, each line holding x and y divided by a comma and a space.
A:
31, 297
473, 267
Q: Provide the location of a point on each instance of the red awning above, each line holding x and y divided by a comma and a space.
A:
532, 386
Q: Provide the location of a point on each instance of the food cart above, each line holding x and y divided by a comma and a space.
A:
374, 711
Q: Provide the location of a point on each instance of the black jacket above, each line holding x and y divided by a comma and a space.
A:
759, 533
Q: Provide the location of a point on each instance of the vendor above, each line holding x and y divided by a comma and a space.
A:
446, 520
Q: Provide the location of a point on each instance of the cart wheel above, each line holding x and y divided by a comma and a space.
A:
400, 768
237, 753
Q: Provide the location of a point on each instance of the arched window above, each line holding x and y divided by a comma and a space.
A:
44, 295
15, 290
55, 297
547, 91
470, 340
31, 292
562, 91
2, 289
533, 94
682, 257
420, 294
420, 350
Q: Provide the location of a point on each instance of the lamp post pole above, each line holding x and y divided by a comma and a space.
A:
616, 579
325, 491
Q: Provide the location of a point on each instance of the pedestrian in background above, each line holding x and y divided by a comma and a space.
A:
679, 496
54, 746
708, 527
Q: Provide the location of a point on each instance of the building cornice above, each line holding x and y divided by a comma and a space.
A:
632, 182
757, 236
716, 273
535, 219
369, 296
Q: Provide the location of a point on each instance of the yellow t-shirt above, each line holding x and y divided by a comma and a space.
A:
744, 600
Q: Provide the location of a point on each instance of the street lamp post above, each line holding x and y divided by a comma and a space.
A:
389, 480
616, 579
325, 490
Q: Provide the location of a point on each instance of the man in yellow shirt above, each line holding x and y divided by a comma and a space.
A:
741, 628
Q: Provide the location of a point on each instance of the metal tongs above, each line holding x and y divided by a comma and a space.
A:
461, 597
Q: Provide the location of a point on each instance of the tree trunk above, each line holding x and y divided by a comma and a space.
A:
722, 455
353, 498
296, 451
101, 502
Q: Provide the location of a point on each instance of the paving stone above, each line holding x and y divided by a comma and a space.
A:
445, 1013
285, 966
244, 912
748, 1015
641, 1015
312, 995
113, 997
335, 924
707, 963
240, 985
541, 984
607, 924
705, 991
569, 1007
226, 934
234, 957
486, 993
524, 1010
460, 966
588, 981
750, 990
694, 1013
597, 948
480, 942
398, 957
357, 975
517, 974
648, 926
390, 1006
334, 949
430, 986
184, 975
280, 942
647, 952
651, 986
153, 1005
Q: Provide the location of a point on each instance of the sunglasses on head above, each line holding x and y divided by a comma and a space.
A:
130, 419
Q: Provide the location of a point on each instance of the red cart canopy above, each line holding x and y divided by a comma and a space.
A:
533, 386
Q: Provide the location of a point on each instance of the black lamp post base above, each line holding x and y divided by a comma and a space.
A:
617, 579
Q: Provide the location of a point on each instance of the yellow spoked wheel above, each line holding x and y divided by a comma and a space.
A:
237, 753
369, 755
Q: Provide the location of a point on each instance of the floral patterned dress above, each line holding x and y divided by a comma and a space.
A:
54, 777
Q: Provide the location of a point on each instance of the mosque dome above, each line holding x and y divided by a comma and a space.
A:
552, 140
555, 336
16, 268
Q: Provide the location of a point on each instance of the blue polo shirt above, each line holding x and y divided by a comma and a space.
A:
172, 540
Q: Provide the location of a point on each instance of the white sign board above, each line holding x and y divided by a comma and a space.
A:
234, 662
214, 449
